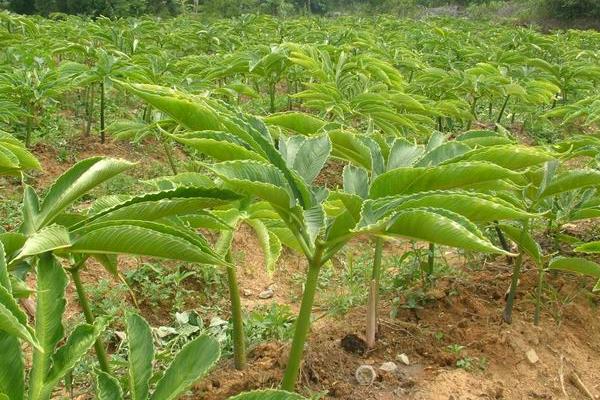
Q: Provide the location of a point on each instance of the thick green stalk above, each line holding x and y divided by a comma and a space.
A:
90, 110
502, 109
538, 297
272, 89
508, 308
102, 129
430, 261
89, 318
373, 294
507, 315
239, 341
303, 321
169, 154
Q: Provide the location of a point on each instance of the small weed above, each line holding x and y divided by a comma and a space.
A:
455, 348
465, 363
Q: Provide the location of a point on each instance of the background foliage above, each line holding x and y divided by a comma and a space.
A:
562, 9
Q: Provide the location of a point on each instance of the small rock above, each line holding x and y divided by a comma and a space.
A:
389, 367
403, 358
532, 356
266, 294
365, 375
247, 292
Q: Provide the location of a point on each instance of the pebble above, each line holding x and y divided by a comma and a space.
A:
389, 367
365, 375
403, 358
266, 294
247, 292
532, 356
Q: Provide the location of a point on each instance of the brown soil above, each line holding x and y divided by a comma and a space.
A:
463, 312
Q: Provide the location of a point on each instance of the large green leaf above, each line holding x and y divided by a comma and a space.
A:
78, 180
13, 320
192, 112
257, 179
477, 207
356, 181
50, 238
192, 362
12, 366
443, 152
153, 206
412, 180
403, 154
578, 265
141, 354
14, 157
590, 247
347, 146
482, 138
79, 342
513, 157
107, 387
142, 238
434, 226
267, 395
574, 179
50, 306
298, 122
219, 145
269, 243
525, 242
308, 156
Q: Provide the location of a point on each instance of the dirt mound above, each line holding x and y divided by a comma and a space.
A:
457, 348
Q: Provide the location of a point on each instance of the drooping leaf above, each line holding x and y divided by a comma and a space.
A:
298, 122
78, 180
569, 180
79, 342
50, 238
140, 356
50, 306
356, 181
192, 362
267, 395
403, 154
513, 157
143, 238
311, 157
525, 242
12, 366
193, 113
434, 226
153, 206
477, 207
257, 179
578, 265
589, 247
443, 177
443, 152
220, 146
107, 387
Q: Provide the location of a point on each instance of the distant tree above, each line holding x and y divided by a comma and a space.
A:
569, 9
45, 7
22, 6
